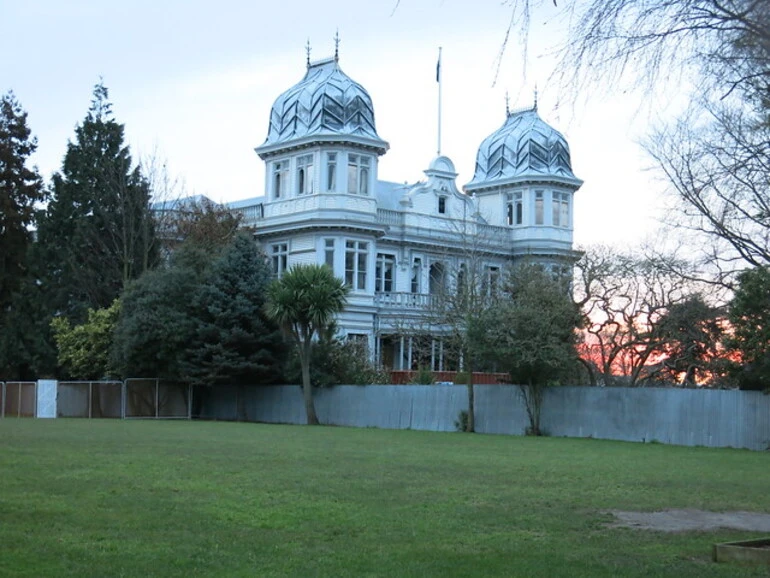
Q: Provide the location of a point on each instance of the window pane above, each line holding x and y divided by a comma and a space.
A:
331, 175
539, 208
309, 179
555, 209
352, 178
349, 267
364, 181
301, 181
565, 211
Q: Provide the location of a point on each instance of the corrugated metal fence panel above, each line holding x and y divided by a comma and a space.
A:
712, 418
499, 410
420, 407
279, 404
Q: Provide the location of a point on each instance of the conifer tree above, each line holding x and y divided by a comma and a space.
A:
98, 232
23, 348
20, 189
234, 341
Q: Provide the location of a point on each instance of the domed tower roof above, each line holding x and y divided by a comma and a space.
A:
326, 105
524, 147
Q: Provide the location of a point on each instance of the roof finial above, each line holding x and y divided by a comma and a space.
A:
307, 52
507, 105
534, 106
337, 45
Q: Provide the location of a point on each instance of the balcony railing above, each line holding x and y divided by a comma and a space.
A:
398, 300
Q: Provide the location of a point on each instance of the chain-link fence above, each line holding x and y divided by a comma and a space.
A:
89, 399
156, 398
18, 398
132, 398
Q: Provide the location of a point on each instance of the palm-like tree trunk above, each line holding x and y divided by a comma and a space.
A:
307, 388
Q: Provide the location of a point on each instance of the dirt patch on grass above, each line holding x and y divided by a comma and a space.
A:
690, 520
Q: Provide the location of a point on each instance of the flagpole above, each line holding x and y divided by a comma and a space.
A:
438, 79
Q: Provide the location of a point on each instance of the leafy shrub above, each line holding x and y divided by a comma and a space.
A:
423, 376
338, 362
462, 378
462, 421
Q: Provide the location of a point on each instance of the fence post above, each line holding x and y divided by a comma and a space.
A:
123, 399
2, 392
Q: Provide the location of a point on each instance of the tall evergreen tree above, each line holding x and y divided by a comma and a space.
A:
20, 188
23, 348
98, 232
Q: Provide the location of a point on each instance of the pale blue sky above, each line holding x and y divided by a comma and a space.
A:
195, 80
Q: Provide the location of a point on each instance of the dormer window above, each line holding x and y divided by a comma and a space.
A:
358, 174
305, 175
280, 177
442, 205
331, 171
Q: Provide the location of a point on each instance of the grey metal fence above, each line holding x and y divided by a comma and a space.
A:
713, 418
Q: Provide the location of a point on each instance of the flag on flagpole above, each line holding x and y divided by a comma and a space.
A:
438, 67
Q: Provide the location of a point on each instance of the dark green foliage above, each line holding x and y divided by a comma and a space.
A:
337, 362
201, 320
234, 342
20, 189
423, 376
534, 335
691, 333
97, 233
749, 315
157, 318
24, 350
26, 346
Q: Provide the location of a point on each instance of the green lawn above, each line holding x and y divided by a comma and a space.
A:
143, 498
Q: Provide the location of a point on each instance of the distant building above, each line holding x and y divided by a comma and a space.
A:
401, 246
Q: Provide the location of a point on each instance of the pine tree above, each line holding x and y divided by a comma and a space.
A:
20, 189
234, 341
98, 232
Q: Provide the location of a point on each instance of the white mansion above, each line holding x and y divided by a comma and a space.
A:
399, 246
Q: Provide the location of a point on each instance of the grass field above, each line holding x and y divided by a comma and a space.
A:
143, 498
